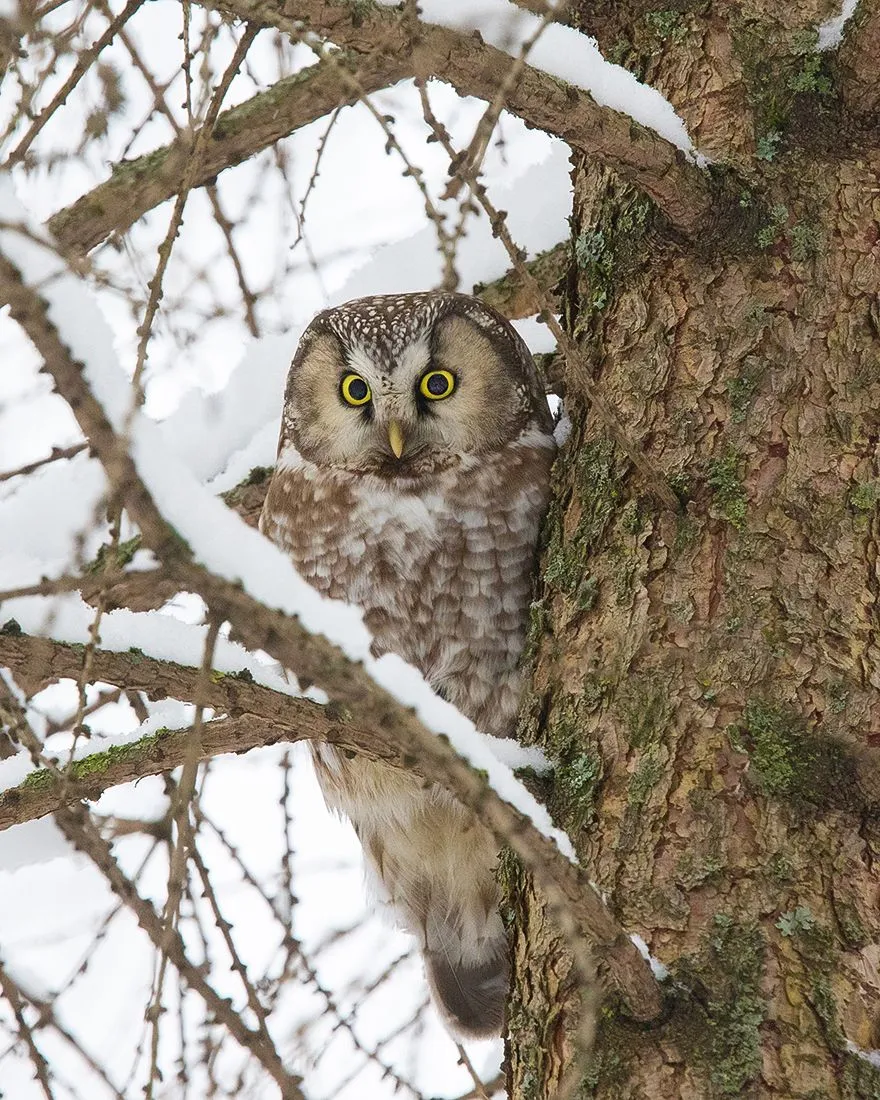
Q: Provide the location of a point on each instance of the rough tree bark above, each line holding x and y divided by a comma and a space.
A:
708, 682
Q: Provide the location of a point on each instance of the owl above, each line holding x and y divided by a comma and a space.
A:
412, 479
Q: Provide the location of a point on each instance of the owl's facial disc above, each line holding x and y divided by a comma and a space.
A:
387, 432
405, 408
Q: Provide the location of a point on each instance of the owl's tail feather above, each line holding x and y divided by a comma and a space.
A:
432, 863
472, 998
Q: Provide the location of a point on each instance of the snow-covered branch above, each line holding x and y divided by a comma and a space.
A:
249, 583
370, 62
257, 716
607, 115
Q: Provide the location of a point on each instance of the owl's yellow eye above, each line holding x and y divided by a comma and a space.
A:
355, 390
437, 384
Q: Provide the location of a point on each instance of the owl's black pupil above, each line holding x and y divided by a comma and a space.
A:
357, 389
438, 385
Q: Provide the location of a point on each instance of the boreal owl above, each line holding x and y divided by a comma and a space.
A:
412, 479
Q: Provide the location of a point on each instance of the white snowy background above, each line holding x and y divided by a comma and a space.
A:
213, 394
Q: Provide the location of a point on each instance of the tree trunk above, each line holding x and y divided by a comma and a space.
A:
707, 683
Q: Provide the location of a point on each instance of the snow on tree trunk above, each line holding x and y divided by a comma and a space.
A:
708, 683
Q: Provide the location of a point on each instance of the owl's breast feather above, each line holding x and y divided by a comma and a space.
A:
442, 567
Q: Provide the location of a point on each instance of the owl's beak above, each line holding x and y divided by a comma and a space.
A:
395, 437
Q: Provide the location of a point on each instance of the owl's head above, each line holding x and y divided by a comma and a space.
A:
402, 385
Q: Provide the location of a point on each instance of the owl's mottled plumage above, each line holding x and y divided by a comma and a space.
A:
438, 546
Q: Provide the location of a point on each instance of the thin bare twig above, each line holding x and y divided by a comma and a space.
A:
313, 177
240, 133
470, 160
48, 1018
81, 831
84, 62
248, 298
194, 161
479, 1086
58, 453
11, 992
